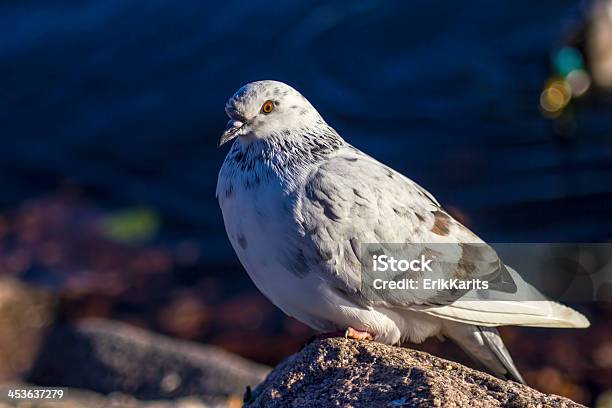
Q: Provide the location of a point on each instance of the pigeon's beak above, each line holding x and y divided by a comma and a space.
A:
231, 131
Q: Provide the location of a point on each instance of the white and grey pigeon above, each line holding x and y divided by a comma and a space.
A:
297, 203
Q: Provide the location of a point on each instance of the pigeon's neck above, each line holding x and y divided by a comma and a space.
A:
286, 156
291, 149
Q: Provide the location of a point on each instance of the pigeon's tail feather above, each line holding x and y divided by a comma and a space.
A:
525, 307
486, 347
543, 313
494, 342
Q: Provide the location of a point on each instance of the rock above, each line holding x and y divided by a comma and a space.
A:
347, 373
26, 315
76, 398
106, 357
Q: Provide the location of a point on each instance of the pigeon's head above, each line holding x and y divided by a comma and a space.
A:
263, 108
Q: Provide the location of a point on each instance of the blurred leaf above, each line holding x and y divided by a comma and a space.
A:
131, 225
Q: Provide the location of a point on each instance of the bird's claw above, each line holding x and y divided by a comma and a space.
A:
351, 333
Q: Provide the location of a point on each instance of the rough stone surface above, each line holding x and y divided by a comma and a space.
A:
106, 357
348, 373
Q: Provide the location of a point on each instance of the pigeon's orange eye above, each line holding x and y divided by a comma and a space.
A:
267, 107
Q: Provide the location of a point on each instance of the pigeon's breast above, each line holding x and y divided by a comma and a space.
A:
258, 223
261, 227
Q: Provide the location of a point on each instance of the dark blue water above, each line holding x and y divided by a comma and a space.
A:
125, 98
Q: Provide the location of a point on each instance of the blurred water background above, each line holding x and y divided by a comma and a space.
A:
110, 113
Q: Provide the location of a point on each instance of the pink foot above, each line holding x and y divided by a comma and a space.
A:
351, 333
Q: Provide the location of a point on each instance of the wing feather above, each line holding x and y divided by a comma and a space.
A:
352, 199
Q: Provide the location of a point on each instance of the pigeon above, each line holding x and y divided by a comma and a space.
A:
299, 203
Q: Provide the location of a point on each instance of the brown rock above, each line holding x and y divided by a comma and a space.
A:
77, 398
25, 317
347, 373
107, 356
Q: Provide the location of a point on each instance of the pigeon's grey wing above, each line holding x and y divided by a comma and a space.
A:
353, 200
